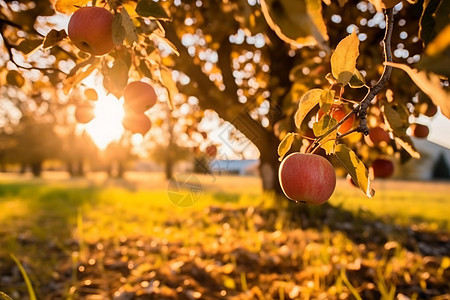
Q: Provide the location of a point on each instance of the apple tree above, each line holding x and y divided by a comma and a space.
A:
267, 67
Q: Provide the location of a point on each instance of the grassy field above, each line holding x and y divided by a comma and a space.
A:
97, 238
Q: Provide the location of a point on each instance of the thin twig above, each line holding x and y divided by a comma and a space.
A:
361, 109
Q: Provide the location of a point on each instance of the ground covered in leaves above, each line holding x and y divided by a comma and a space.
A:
85, 240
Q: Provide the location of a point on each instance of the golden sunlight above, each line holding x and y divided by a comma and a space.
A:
107, 124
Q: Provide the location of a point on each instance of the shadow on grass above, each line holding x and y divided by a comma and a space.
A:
40, 231
363, 227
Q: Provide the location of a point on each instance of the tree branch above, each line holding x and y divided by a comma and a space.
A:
210, 97
361, 109
9, 48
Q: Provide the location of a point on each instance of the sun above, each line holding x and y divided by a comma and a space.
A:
106, 127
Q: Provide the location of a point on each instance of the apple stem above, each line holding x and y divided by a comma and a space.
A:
360, 110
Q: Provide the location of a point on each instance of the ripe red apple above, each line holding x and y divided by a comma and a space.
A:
376, 136
84, 112
139, 96
419, 130
431, 110
338, 112
211, 150
136, 123
382, 168
307, 178
90, 29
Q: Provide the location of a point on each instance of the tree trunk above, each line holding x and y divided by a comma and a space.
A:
120, 169
169, 168
23, 168
269, 164
80, 171
109, 170
69, 166
36, 169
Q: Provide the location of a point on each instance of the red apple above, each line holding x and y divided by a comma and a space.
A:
139, 96
307, 178
84, 112
420, 131
376, 136
338, 112
382, 168
136, 123
431, 110
90, 29
211, 151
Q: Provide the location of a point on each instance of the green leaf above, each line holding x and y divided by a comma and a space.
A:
28, 46
307, 102
54, 37
130, 28
350, 161
430, 84
299, 23
150, 9
285, 144
326, 99
15, 78
116, 78
324, 125
357, 81
118, 31
343, 60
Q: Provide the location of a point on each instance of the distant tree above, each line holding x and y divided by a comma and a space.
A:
441, 169
32, 143
78, 150
116, 156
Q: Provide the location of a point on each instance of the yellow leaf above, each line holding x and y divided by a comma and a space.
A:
329, 143
91, 94
299, 23
324, 125
383, 4
307, 102
430, 84
69, 6
285, 144
440, 42
15, 78
169, 84
350, 161
343, 60
54, 37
